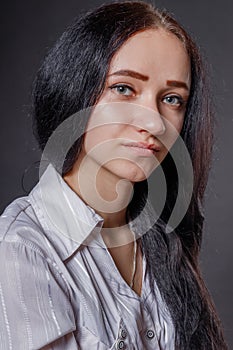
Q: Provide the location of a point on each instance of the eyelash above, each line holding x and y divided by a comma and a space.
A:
180, 100
114, 87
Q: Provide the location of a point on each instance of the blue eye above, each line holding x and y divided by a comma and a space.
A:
173, 100
124, 90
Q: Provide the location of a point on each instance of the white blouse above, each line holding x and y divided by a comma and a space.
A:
59, 286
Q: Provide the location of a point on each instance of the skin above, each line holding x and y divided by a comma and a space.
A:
151, 72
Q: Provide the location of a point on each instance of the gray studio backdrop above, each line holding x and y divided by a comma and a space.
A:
30, 28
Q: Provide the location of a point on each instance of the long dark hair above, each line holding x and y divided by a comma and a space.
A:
72, 78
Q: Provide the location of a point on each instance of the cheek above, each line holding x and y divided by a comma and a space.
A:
175, 119
179, 124
173, 127
99, 135
91, 139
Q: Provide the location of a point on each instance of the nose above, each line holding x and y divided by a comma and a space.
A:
153, 124
149, 119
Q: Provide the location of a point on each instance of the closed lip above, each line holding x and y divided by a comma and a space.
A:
143, 145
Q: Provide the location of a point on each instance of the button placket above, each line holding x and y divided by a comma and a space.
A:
122, 335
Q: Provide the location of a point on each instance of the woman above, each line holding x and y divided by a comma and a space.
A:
85, 261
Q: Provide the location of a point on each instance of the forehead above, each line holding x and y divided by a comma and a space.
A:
155, 52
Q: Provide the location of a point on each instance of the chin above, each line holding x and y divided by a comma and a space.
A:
132, 173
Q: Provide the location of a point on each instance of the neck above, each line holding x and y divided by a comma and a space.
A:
106, 193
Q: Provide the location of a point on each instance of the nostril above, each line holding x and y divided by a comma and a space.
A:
162, 129
148, 120
157, 128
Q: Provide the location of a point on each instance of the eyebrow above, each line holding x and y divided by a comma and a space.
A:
136, 75
178, 84
131, 73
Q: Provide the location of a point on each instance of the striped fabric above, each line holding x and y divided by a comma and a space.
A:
59, 286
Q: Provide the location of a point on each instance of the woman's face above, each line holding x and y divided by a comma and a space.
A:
141, 111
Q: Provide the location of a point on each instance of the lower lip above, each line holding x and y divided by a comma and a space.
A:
144, 152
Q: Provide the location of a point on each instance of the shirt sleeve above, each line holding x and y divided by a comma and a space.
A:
35, 310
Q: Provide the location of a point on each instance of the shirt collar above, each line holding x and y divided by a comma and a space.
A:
67, 221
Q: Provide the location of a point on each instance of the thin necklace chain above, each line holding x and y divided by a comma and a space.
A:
134, 262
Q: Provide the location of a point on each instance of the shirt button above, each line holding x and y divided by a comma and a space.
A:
123, 334
150, 334
120, 344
